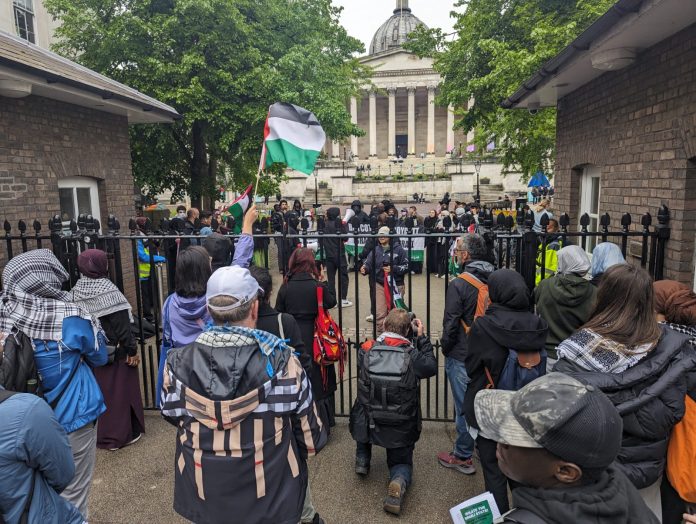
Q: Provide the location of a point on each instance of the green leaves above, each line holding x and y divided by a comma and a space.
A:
498, 45
221, 64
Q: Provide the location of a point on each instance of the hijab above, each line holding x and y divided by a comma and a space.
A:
507, 288
94, 291
572, 260
675, 301
604, 256
33, 301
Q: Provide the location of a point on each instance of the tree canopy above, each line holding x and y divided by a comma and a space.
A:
220, 64
497, 45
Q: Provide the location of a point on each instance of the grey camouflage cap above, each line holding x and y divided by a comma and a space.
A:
572, 420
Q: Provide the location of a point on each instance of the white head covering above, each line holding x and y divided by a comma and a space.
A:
573, 260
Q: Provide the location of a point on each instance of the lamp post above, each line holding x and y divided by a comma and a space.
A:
477, 167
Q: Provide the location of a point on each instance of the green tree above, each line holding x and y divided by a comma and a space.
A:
497, 45
220, 64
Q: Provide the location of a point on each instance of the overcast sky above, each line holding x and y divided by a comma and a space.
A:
363, 17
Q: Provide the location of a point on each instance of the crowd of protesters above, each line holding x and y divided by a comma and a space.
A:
567, 397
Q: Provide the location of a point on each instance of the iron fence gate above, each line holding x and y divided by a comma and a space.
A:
513, 244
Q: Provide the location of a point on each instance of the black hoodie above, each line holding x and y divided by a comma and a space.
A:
219, 248
507, 324
334, 250
357, 208
611, 500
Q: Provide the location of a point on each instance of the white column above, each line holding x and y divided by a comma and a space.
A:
450, 128
392, 122
354, 119
430, 142
470, 134
411, 121
335, 150
373, 124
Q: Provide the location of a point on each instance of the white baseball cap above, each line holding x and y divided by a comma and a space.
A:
232, 281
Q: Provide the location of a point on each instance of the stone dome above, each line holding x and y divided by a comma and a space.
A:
393, 33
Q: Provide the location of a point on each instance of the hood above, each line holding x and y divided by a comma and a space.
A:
480, 269
611, 500
219, 248
387, 339
333, 213
570, 290
229, 376
356, 206
514, 329
188, 308
507, 288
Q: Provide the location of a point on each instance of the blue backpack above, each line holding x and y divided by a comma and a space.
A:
520, 369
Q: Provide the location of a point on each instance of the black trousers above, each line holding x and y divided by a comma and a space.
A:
331, 268
146, 294
494, 479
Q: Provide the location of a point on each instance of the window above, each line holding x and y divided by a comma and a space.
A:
590, 191
24, 19
78, 195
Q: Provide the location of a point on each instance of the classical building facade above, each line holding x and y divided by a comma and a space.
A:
398, 112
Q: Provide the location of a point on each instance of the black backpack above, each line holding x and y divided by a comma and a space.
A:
17, 368
388, 387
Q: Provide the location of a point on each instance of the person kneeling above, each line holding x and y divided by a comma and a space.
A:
559, 438
387, 409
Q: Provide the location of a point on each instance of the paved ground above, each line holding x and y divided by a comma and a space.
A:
135, 485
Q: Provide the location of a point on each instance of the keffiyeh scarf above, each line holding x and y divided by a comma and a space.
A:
32, 300
596, 353
100, 297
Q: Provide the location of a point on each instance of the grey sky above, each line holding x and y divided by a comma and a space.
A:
363, 17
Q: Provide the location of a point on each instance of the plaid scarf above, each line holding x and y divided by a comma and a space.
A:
687, 330
100, 297
268, 342
33, 302
596, 353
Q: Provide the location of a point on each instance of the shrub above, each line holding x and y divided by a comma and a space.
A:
485, 180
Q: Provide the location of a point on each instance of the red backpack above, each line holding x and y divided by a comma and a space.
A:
329, 346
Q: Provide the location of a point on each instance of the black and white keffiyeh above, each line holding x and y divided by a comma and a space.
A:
32, 300
100, 297
594, 352
686, 330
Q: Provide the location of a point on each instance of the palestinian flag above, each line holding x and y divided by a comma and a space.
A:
392, 297
239, 207
293, 136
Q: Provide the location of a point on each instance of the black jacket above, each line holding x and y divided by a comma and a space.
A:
460, 304
299, 298
507, 324
398, 261
650, 399
117, 328
611, 500
357, 208
268, 321
334, 250
395, 435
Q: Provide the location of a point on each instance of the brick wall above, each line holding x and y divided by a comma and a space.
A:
42, 141
638, 126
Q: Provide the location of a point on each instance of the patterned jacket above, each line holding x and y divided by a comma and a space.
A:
246, 425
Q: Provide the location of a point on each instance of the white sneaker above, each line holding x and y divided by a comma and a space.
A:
370, 318
346, 303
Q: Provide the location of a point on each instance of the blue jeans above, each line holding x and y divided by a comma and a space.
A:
459, 380
399, 460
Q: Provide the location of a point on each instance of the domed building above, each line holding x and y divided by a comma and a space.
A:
400, 117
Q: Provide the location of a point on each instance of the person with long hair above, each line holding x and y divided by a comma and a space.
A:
675, 308
641, 366
185, 313
124, 421
298, 296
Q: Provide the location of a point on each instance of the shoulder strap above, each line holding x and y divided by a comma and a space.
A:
5, 394
471, 279
55, 401
320, 296
280, 326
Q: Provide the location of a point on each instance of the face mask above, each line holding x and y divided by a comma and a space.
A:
181, 215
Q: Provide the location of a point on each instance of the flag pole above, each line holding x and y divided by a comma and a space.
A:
261, 165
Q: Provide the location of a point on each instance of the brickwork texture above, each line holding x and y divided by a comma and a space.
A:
638, 125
